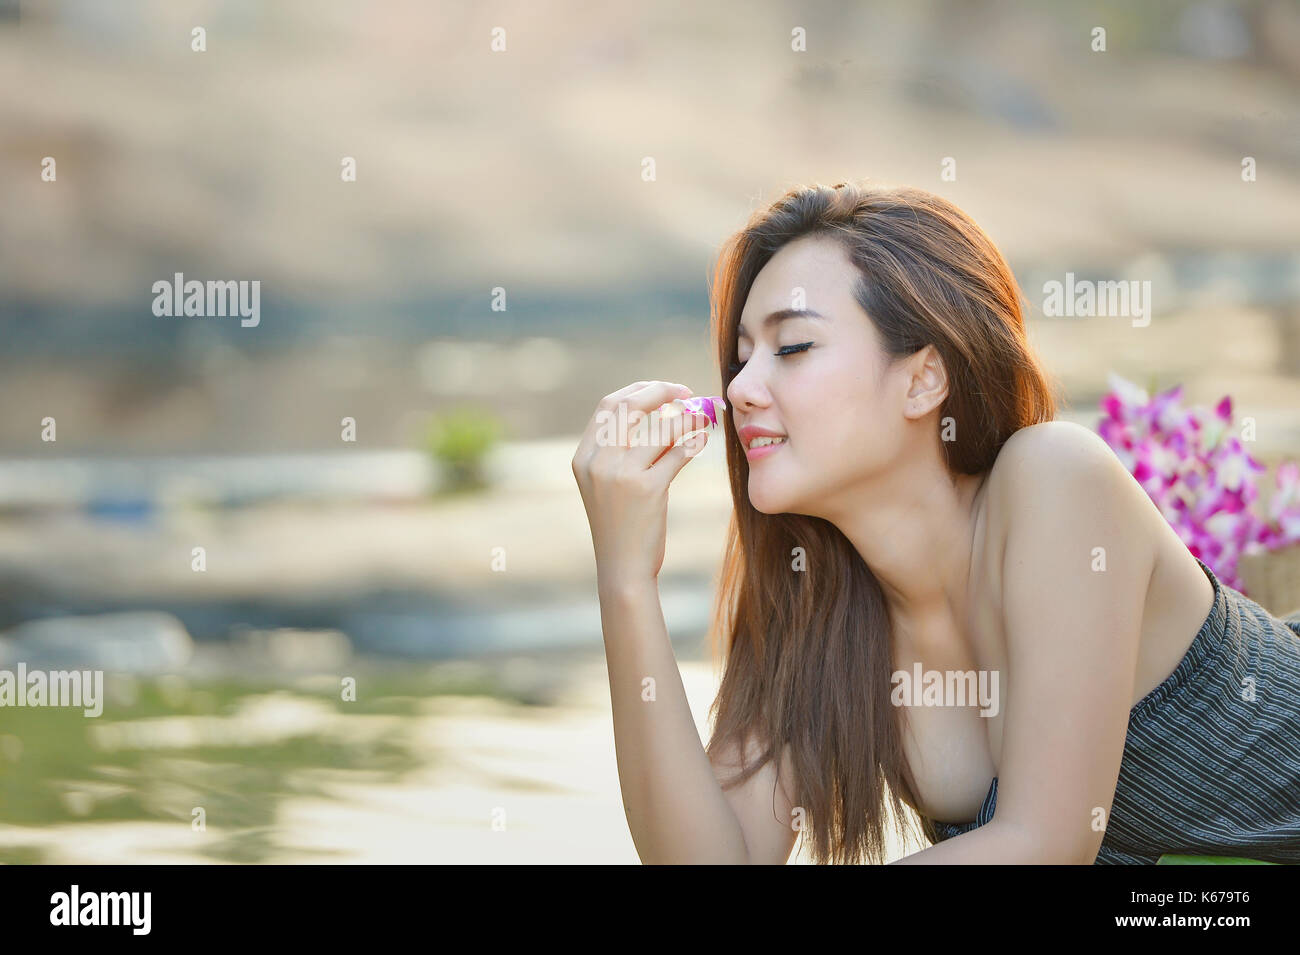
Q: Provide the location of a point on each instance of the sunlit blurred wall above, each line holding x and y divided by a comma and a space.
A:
502, 243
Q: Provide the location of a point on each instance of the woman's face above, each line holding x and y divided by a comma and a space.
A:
838, 402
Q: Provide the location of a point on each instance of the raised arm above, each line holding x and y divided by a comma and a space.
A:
676, 808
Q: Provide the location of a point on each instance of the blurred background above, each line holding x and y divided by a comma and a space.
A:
378, 473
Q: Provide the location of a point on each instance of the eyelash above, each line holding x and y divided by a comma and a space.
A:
735, 367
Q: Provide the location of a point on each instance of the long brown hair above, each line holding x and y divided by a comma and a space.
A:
806, 650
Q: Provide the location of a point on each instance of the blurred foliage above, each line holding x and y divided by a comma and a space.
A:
460, 441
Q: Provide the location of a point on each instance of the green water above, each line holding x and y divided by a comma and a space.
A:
239, 786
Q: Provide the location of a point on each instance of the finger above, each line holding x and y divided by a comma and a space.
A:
675, 458
661, 432
619, 418
654, 394
588, 443
640, 407
693, 416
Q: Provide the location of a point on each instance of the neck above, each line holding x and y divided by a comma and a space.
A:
915, 528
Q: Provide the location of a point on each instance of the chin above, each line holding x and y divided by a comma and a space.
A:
767, 502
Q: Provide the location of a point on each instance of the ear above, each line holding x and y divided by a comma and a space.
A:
927, 382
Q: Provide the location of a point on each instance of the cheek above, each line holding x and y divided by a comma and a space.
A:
838, 413
848, 433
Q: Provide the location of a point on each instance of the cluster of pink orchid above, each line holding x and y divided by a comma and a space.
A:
1200, 476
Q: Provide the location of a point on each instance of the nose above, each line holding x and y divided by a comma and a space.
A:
747, 390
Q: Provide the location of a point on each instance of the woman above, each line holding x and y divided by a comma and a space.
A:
904, 503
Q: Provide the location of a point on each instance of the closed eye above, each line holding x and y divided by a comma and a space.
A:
735, 367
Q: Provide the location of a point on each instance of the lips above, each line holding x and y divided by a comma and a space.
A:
751, 431
769, 441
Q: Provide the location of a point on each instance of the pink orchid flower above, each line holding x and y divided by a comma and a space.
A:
1200, 475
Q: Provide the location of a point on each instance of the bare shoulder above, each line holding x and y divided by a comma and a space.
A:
1057, 478
1057, 455
1052, 447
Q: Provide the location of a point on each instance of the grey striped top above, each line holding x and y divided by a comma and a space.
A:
1205, 772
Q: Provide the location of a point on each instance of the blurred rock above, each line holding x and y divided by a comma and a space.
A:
133, 642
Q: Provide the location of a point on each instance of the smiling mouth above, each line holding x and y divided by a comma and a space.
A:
763, 447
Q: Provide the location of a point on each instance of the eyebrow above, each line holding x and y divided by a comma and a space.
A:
780, 316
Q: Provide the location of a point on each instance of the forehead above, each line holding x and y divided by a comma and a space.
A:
819, 266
